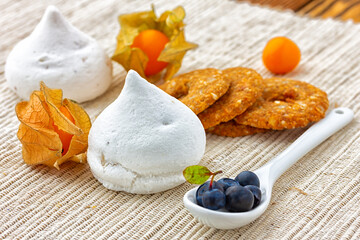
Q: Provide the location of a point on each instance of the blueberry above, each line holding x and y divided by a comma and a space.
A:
248, 178
257, 194
227, 182
214, 199
205, 187
239, 199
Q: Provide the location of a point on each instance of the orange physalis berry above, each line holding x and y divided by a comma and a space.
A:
151, 42
281, 55
64, 136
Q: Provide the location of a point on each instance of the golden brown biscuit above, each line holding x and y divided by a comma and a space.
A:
286, 104
245, 88
233, 129
197, 89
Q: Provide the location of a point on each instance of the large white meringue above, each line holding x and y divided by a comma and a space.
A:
143, 141
61, 56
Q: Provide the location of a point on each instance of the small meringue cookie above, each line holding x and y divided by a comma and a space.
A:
143, 141
61, 56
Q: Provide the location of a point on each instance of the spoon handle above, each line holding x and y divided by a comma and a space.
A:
316, 134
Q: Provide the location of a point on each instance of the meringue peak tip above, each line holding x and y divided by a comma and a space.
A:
53, 17
134, 79
52, 9
133, 74
52, 12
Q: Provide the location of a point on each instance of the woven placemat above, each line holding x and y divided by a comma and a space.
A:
317, 198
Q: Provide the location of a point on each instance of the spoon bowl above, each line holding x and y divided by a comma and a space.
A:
270, 172
223, 219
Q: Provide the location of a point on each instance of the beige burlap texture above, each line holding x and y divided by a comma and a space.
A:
317, 198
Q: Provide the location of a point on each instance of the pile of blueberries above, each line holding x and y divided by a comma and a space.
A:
236, 195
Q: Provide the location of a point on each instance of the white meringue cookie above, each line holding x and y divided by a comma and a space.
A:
61, 56
143, 141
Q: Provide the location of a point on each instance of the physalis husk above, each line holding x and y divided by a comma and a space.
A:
52, 130
170, 23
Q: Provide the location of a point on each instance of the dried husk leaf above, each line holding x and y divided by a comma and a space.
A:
174, 53
170, 23
53, 99
40, 143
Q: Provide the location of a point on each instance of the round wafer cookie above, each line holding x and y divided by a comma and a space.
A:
233, 129
197, 89
286, 104
245, 88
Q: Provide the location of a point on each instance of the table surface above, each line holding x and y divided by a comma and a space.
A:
318, 198
339, 9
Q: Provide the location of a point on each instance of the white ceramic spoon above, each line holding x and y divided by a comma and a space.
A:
270, 172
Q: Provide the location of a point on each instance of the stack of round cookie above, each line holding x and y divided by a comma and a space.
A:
238, 101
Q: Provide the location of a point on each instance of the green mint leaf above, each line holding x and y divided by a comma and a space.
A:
196, 174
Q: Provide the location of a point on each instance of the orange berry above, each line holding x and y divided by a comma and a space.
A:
281, 55
64, 136
151, 42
